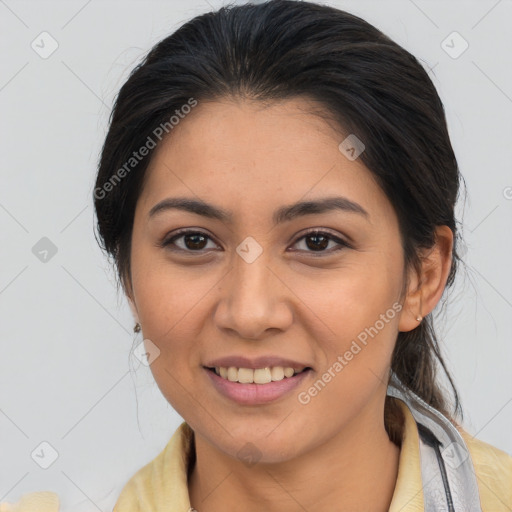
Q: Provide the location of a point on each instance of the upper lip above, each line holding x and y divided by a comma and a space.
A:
258, 362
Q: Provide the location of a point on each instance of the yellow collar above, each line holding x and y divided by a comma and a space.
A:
408, 493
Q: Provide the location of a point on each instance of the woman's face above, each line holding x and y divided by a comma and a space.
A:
248, 287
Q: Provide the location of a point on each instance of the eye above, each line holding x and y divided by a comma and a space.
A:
193, 241
196, 241
319, 240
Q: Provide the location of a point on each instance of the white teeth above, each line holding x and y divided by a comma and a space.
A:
232, 374
288, 372
245, 375
257, 376
262, 376
277, 373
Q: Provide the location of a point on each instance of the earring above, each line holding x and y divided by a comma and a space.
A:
418, 318
137, 327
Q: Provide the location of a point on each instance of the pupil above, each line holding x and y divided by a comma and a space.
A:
316, 245
194, 243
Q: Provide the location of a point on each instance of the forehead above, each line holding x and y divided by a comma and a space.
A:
249, 156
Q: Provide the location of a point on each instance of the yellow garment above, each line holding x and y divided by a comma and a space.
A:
43, 501
161, 485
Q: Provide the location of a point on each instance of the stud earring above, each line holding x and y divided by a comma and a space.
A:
137, 327
418, 318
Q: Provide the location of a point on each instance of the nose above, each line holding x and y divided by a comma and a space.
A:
254, 300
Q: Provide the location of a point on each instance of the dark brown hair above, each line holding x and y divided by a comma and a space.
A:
366, 83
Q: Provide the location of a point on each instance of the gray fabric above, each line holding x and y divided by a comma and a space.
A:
458, 491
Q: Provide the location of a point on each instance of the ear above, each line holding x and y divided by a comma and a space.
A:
133, 307
131, 301
127, 287
426, 290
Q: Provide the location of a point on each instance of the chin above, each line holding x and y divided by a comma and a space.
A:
252, 447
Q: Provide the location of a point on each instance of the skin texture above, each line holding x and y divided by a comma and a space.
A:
307, 305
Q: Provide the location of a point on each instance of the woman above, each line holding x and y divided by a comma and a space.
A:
277, 190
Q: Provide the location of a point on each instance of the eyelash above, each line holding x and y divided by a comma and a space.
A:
180, 234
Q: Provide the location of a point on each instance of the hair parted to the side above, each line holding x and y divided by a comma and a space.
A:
362, 80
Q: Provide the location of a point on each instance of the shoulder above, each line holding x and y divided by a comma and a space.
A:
41, 501
135, 494
493, 469
162, 483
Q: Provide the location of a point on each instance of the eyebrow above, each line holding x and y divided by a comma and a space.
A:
283, 214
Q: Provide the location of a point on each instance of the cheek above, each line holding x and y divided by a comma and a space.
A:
347, 301
167, 295
356, 355
169, 309
355, 317
173, 307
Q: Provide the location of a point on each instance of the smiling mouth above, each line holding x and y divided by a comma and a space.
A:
256, 376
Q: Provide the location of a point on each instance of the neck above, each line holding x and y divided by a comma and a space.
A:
354, 470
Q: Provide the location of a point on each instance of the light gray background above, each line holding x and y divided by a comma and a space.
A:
66, 375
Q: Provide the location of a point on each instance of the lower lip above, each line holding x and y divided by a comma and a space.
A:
254, 394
